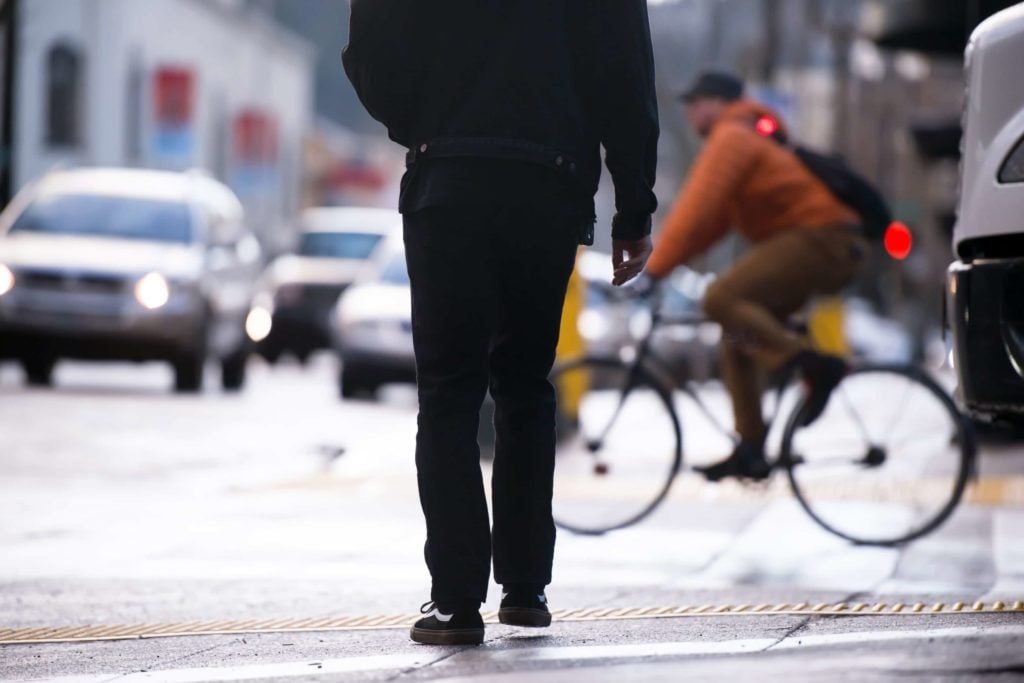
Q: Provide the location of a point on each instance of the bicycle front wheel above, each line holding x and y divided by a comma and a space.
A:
618, 446
886, 462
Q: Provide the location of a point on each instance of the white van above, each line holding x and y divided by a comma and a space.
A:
986, 284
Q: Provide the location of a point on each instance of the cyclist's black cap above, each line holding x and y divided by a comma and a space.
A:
714, 84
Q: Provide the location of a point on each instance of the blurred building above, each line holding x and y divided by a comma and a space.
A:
176, 84
324, 23
349, 160
876, 81
786, 51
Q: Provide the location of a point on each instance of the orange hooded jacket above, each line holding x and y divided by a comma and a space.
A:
746, 180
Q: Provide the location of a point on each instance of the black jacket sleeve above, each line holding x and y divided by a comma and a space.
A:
628, 110
381, 60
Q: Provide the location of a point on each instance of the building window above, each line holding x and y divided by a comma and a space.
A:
64, 89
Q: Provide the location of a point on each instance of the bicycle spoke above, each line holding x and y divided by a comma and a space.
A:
864, 431
910, 438
833, 461
898, 488
901, 407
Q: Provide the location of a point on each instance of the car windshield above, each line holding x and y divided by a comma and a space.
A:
346, 245
396, 273
107, 216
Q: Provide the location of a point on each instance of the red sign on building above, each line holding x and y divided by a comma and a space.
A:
173, 97
255, 138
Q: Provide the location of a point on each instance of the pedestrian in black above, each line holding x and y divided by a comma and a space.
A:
504, 106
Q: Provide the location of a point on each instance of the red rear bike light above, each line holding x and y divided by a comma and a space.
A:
766, 126
898, 240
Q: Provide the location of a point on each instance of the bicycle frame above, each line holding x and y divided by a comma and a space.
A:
646, 359
644, 368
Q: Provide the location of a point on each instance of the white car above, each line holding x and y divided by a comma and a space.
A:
127, 264
986, 283
372, 325
298, 290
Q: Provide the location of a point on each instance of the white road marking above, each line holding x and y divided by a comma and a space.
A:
547, 655
830, 639
1007, 553
577, 653
782, 546
259, 671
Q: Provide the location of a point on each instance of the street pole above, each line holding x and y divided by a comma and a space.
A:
842, 32
717, 32
772, 39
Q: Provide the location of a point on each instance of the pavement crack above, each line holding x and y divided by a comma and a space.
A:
791, 632
414, 669
156, 666
804, 623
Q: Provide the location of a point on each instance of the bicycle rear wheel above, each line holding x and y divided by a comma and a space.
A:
888, 460
618, 447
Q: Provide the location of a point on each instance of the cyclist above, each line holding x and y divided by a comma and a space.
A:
804, 242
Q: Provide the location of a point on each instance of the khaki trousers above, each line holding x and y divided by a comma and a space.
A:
753, 299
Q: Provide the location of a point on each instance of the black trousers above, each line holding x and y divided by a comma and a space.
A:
487, 292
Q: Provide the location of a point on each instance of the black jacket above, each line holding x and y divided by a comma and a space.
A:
542, 81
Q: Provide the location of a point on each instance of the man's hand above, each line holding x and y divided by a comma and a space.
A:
629, 258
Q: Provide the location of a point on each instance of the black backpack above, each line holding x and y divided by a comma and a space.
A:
851, 189
847, 185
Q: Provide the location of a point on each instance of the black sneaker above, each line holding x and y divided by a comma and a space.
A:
822, 373
455, 627
524, 607
747, 462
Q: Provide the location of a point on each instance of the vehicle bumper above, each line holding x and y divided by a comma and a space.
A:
298, 328
303, 324
101, 328
986, 314
383, 352
380, 368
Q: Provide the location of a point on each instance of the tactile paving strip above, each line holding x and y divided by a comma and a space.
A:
78, 634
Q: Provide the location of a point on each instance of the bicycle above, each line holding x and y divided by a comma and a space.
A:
620, 444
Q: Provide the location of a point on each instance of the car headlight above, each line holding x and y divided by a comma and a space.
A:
6, 279
593, 325
152, 291
1012, 170
258, 323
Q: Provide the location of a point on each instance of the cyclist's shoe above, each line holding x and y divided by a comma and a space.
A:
822, 373
746, 462
448, 626
524, 606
